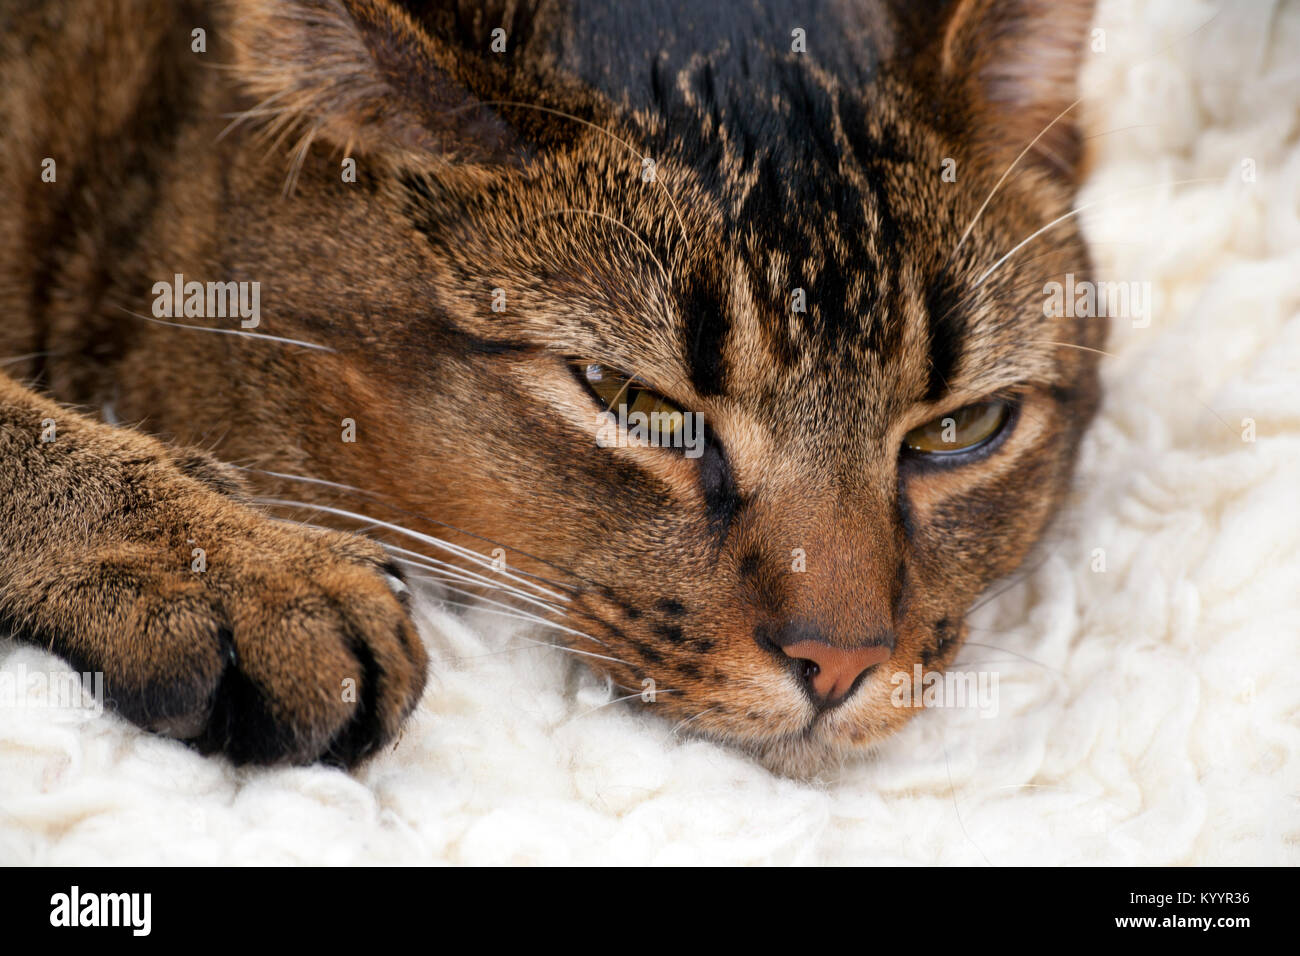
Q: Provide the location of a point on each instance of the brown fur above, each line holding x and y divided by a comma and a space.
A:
471, 417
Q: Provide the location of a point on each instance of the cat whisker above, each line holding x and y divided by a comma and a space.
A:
682, 723
456, 549
575, 650
1021, 155
1014, 163
1004, 650
1120, 129
450, 572
952, 792
378, 499
467, 576
241, 332
1081, 348
969, 295
1086, 206
14, 360
1085, 348
528, 644
505, 650
526, 618
508, 610
1018, 578
608, 703
447, 579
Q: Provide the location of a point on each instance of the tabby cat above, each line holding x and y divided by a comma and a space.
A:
477, 245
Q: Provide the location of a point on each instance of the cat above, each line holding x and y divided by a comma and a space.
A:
799, 246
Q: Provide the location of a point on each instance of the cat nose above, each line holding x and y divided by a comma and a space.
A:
828, 670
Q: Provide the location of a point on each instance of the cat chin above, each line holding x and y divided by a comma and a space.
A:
803, 759
820, 753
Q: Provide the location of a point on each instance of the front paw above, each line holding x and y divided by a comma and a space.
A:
322, 660
286, 644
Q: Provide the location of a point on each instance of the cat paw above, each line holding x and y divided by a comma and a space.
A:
260, 639
263, 641
324, 665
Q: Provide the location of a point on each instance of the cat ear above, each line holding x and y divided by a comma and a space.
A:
361, 75
1016, 64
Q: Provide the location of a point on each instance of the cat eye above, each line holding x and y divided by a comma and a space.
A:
963, 430
625, 396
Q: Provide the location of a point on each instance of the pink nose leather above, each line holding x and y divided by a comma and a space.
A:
836, 668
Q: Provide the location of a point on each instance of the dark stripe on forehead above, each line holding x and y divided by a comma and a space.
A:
875, 152
705, 324
946, 328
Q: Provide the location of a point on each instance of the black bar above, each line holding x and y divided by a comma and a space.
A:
904, 907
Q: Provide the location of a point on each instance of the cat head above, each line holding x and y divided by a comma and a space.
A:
815, 246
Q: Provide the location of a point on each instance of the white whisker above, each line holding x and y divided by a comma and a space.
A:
527, 619
241, 332
23, 358
447, 578
616, 700
450, 572
456, 549
683, 723
470, 577
558, 647
1015, 162
998, 185
379, 499
508, 610
1074, 212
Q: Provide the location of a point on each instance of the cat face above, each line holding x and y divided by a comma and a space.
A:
876, 418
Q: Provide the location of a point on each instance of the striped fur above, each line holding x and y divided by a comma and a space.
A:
526, 172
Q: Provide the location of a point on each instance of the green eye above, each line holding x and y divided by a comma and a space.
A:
625, 396
961, 430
